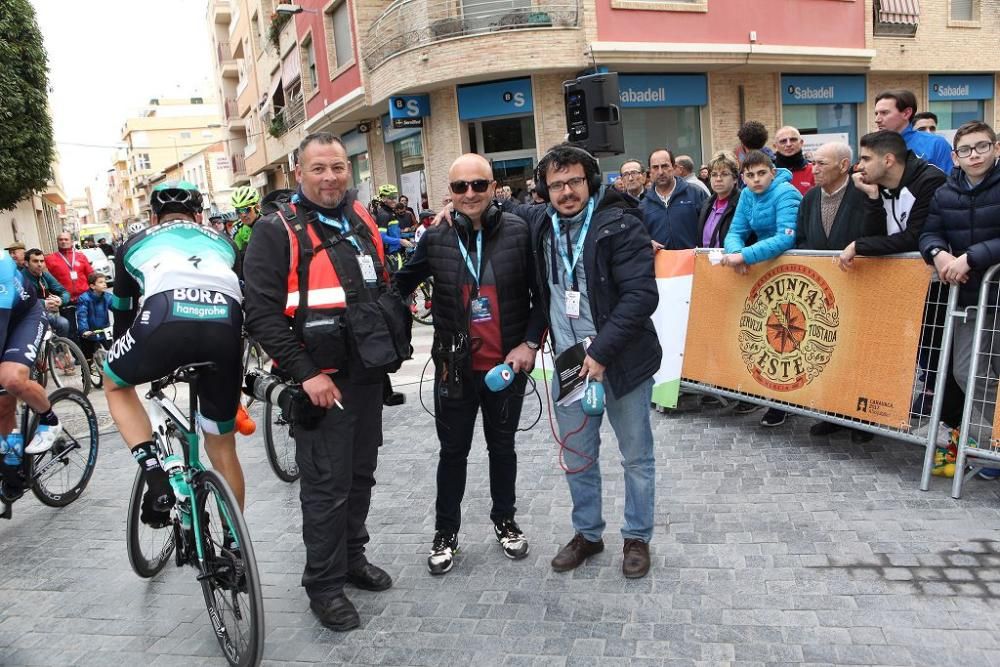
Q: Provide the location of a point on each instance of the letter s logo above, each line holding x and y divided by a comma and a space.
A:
519, 100
412, 108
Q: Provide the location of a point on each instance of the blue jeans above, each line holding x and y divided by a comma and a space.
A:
59, 324
629, 417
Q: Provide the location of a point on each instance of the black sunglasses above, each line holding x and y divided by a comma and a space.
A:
478, 185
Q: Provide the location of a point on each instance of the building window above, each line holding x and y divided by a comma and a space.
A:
964, 10
141, 161
896, 18
340, 46
662, 5
197, 100
952, 114
408, 154
309, 54
648, 127
185, 135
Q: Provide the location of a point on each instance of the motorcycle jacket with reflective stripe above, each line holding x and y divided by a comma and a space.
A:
178, 254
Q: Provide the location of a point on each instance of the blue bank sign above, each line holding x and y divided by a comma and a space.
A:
961, 87
497, 98
662, 90
409, 110
822, 89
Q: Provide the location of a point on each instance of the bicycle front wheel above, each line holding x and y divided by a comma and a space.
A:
253, 360
279, 443
422, 302
149, 549
61, 474
96, 375
229, 581
67, 365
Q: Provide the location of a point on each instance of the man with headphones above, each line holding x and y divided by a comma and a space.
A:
484, 314
594, 263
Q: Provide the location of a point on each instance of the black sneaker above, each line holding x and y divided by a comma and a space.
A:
443, 552
773, 417
511, 539
745, 408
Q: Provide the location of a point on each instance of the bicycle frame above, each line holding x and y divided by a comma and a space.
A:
164, 414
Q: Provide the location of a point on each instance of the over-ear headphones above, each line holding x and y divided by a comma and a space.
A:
491, 216
591, 168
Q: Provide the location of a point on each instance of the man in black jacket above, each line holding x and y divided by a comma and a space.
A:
301, 326
962, 240
483, 316
595, 271
830, 218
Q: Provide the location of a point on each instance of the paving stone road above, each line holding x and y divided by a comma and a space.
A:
771, 547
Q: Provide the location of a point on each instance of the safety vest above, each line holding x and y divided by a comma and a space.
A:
325, 290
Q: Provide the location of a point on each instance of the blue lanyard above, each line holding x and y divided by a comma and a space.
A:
474, 270
578, 249
345, 230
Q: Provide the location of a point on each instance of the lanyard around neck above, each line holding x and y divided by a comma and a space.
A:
474, 270
569, 265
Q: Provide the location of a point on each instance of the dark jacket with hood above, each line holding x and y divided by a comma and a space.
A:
964, 220
809, 232
894, 221
802, 171
621, 284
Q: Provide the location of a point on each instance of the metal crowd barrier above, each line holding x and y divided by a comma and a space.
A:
980, 340
934, 354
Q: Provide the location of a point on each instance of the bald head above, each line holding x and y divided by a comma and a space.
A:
787, 141
469, 173
832, 165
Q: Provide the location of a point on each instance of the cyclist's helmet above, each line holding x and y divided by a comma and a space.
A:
388, 191
245, 197
135, 228
175, 197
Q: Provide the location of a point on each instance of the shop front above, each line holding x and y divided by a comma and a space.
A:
823, 104
959, 98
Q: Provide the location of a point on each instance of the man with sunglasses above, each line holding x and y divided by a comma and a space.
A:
246, 201
788, 155
962, 239
484, 314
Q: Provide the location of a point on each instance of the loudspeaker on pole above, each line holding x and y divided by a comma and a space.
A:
592, 114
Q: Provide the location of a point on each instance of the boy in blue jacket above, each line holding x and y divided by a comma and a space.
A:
92, 315
769, 206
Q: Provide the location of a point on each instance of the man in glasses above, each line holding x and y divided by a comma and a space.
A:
634, 178
962, 240
246, 201
595, 274
788, 155
485, 313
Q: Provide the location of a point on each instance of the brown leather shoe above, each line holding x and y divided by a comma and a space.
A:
573, 554
635, 563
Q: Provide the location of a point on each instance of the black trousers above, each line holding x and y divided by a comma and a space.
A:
337, 462
456, 422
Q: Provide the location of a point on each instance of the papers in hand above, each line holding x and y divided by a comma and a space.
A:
568, 366
715, 256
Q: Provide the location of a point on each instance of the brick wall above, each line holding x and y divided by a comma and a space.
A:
442, 143
550, 110
760, 95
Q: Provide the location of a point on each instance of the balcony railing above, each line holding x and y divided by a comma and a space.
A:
410, 24
239, 164
291, 116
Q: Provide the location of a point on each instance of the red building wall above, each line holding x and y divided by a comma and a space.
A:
832, 23
346, 81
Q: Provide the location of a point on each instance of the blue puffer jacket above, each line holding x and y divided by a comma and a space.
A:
770, 215
966, 221
92, 311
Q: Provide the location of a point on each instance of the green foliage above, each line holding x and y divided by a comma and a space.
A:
26, 148
278, 22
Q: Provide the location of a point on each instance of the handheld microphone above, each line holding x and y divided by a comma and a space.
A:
499, 377
593, 398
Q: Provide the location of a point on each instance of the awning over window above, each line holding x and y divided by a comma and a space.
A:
291, 67
904, 12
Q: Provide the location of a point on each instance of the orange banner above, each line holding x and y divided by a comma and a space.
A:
800, 330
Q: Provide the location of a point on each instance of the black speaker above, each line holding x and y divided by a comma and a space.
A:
592, 114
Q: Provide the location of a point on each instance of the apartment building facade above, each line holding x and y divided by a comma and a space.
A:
410, 84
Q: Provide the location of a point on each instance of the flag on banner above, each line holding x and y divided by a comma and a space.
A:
674, 278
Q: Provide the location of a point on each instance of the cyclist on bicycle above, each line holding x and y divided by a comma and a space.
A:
22, 326
388, 219
176, 301
246, 201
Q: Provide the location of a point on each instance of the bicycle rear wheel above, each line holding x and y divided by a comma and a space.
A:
96, 376
253, 359
149, 549
60, 475
279, 443
422, 302
67, 365
229, 581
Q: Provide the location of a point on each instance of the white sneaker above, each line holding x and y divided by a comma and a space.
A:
45, 437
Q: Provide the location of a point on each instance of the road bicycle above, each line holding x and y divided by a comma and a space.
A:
279, 443
206, 528
56, 477
420, 301
254, 358
63, 361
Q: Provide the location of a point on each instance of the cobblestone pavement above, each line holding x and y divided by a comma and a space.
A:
770, 547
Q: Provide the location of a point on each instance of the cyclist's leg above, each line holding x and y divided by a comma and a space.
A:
219, 396
24, 336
